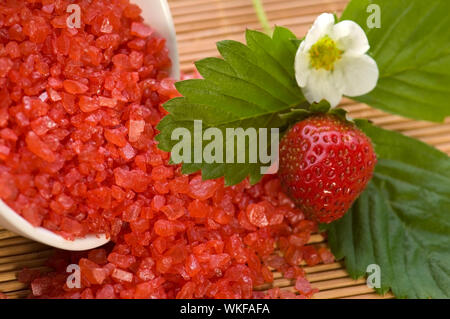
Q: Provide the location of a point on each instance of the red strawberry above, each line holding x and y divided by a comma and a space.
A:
325, 164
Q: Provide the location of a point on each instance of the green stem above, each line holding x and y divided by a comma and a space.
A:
262, 17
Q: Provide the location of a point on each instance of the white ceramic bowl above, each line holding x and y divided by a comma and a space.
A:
157, 14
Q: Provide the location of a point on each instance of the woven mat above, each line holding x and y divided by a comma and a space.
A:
201, 23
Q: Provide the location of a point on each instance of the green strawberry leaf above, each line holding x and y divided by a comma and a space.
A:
412, 50
249, 88
402, 221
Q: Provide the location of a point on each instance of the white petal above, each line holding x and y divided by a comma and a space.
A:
321, 27
349, 118
321, 86
302, 67
333, 95
358, 74
350, 38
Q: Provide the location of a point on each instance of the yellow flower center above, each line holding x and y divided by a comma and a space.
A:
324, 53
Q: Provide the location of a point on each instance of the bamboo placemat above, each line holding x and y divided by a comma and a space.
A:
201, 23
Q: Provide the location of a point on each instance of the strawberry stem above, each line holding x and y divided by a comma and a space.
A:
262, 16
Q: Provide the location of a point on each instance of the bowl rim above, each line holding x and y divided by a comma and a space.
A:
17, 224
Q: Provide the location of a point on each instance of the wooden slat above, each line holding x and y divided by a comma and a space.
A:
316, 239
323, 267
21, 249
343, 292
12, 275
20, 294
327, 275
14, 241
6, 234
22, 264
337, 283
14, 285
371, 296
16, 259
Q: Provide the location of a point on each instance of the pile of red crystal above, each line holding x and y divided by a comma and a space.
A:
78, 110
195, 240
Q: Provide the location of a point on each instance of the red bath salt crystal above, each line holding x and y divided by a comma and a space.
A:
145, 270
54, 95
26, 276
68, 102
167, 88
131, 213
142, 225
311, 255
267, 274
39, 148
107, 102
134, 179
193, 267
202, 190
4, 152
199, 209
162, 187
98, 256
100, 197
37, 29
173, 212
75, 87
8, 134
116, 136
141, 30
88, 104
136, 128
120, 260
37, 107
118, 193
42, 125
87, 294
33, 215
122, 276
164, 264
136, 60
158, 202
127, 152
8, 188
6, 65
222, 216
106, 292
92, 272
72, 228
143, 291
168, 228
161, 173
219, 261
256, 215
179, 185
41, 286
13, 50
303, 286
109, 268
121, 61
132, 11
108, 41
300, 239
326, 255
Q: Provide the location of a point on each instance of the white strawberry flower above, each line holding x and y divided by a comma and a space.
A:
332, 61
